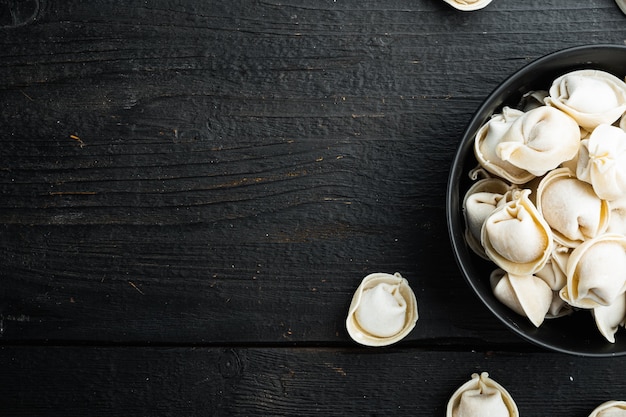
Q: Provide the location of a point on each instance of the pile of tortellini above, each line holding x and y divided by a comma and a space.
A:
482, 396
548, 201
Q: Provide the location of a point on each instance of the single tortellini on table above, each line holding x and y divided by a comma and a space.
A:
591, 97
481, 396
596, 272
383, 310
602, 162
468, 5
573, 210
610, 408
516, 237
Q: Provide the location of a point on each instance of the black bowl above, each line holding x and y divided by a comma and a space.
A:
576, 334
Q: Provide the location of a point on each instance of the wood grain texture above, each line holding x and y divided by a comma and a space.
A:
218, 173
287, 381
238, 168
191, 191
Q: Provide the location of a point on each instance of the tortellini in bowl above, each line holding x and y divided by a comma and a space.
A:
536, 200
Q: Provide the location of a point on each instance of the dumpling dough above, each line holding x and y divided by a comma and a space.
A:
571, 207
540, 140
383, 310
468, 5
528, 295
591, 97
516, 237
596, 272
481, 396
602, 162
609, 318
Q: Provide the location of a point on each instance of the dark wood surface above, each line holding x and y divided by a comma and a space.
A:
191, 191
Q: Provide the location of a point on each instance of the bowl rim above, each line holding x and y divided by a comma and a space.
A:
494, 100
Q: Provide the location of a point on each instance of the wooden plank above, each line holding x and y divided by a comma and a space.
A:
116, 381
225, 172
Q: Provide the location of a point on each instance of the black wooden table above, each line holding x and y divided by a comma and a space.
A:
191, 191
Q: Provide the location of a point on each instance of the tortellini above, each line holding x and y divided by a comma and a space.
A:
540, 140
602, 161
596, 272
591, 97
574, 212
480, 201
383, 310
529, 251
468, 5
527, 295
609, 318
519, 146
552, 211
486, 147
479, 397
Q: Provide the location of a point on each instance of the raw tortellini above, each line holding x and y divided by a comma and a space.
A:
468, 5
602, 161
479, 397
519, 146
591, 97
551, 211
518, 218
383, 310
481, 200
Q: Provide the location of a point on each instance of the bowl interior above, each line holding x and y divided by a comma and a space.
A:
576, 334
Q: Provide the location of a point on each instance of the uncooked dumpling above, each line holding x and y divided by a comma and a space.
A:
481, 396
527, 295
383, 310
486, 142
602, 162
468, 5
596, 272
516, 237
591, 97
480, 201
609, 318
540, 140
571, 208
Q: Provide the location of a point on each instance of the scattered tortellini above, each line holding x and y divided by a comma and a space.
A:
383, 310
549, 206
482, 396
